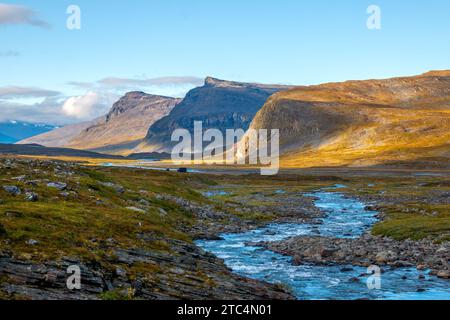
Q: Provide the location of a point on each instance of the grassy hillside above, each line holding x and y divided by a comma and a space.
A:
362, 123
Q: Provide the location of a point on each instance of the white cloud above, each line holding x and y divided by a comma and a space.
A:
47, 111
37, 105
82, 107
16, 14
163, 81
171, 86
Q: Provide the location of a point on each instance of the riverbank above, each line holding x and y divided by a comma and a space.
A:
366, 251
326, 267
129, 231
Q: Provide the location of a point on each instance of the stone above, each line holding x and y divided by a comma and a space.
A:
385, 256
444, 274
136, 209
51, 277
144, 202
13, 190
327, 252
31, 196
421, 267
118, 188
32, 242
347, 269
120, 272
57, 185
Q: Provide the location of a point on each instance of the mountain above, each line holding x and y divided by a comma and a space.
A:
218, 104
38, 150
358, 123
6, 139
117, 132
60, 136
13, 131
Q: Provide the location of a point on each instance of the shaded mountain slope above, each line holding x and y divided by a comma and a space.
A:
218, 104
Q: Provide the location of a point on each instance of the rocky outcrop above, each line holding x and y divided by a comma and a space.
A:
218, 104
366, 251
191, 274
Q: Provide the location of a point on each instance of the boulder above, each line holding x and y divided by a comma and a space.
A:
31, 196
385, 256
13, 190
57, 185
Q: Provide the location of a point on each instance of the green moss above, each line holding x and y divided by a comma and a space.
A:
402, 226
118, 295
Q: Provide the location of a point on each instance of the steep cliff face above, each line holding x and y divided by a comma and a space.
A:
362, 122
118, 132
218, 104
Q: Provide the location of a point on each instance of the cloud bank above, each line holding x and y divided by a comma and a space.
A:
26, 92
87, 106
123, 84
39, 105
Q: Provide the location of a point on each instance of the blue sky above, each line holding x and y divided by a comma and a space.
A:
284, 41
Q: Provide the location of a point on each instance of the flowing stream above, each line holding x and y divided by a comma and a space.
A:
346, 218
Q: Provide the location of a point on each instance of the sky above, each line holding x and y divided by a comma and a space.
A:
51, 74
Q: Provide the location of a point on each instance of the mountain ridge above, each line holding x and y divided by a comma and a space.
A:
363, 122
125, 124
218, 104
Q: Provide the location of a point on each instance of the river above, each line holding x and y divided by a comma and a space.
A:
346, 218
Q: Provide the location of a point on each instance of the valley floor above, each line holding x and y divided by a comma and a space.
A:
132, 231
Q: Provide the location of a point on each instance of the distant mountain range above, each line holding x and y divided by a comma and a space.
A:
143, 123
363, 123
218, 104
6, 139
37, 150
14, 131
353, 123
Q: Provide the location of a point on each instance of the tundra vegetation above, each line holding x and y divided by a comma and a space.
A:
136, 227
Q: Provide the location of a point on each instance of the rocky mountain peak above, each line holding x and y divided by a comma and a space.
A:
132, 100
214, 82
